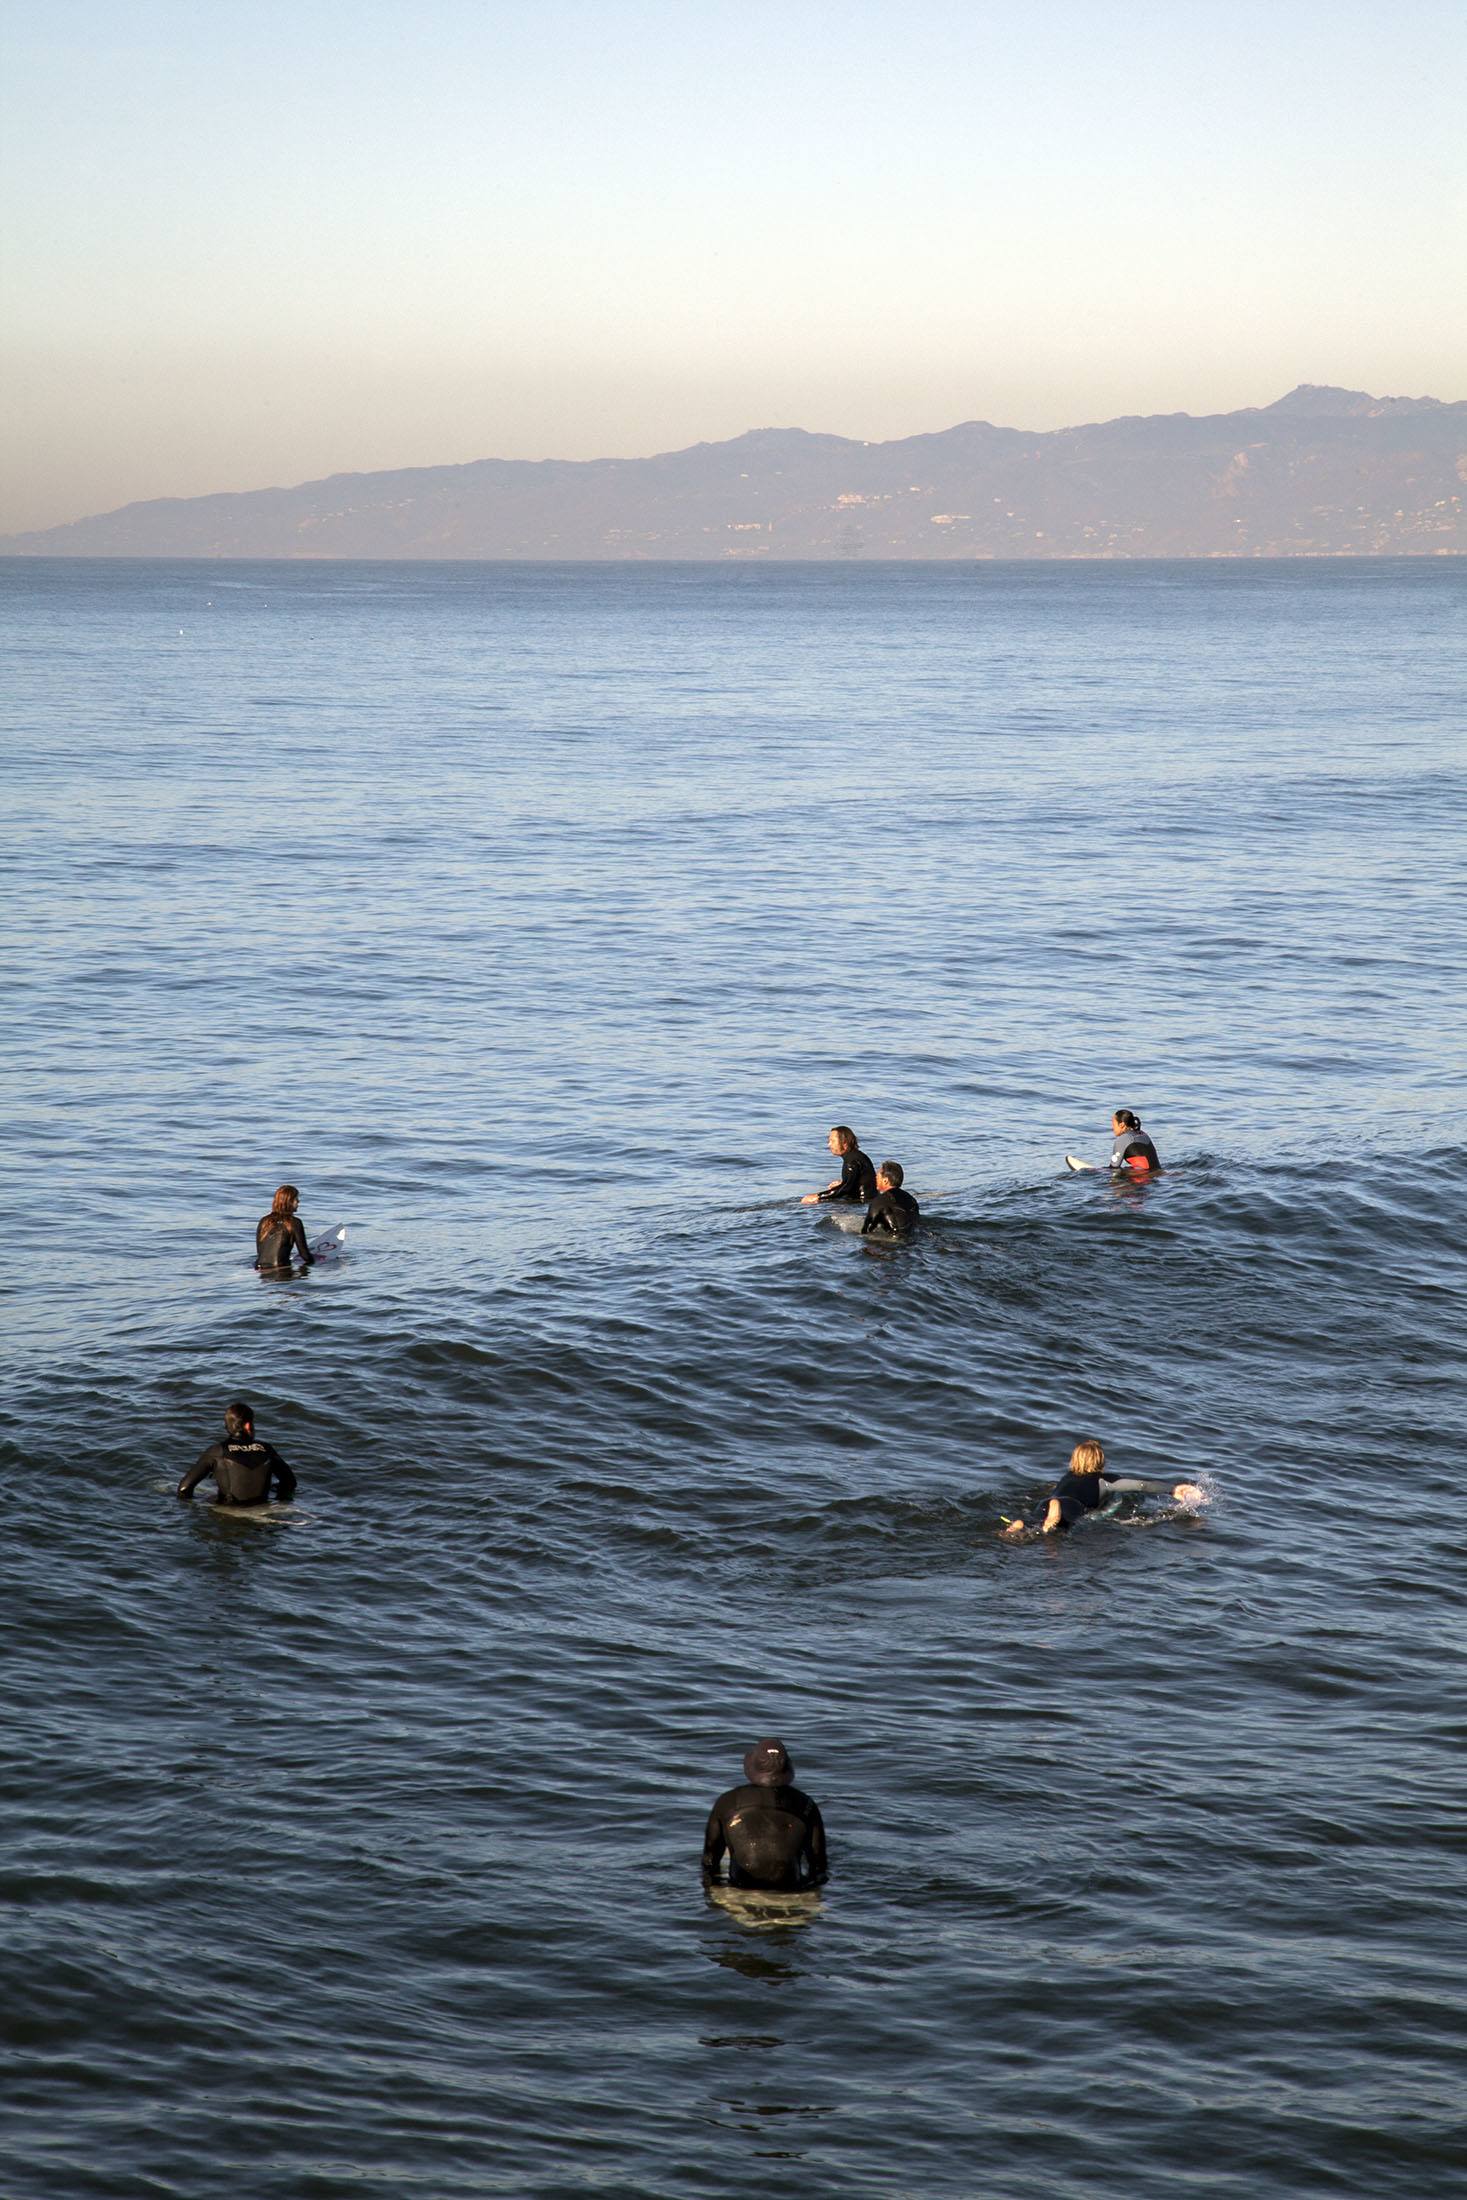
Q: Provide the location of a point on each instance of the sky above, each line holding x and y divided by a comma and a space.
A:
253, 246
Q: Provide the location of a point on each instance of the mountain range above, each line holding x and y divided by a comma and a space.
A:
1323, 472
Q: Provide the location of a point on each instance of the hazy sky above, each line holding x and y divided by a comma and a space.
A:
258, 244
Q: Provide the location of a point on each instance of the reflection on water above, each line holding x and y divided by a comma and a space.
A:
758, 1963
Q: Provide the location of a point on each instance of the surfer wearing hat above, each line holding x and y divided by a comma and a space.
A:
1087, 1487
243, 1468
281, 1232
770, 1831
856, 1184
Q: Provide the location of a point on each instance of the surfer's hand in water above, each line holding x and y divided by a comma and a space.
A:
811, 1199
1012, 1527
1188, 1493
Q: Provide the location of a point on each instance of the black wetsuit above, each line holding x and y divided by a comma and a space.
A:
857, 1180
1076, 1495
773, 1837
243, 1469
1134, 1153
891, 1214
1079, 1494
276, 1237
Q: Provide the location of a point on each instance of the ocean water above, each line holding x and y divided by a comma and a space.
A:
538, 922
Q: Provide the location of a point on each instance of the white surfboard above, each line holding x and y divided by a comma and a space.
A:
271, 1512
331, 1243
1072, 1162
852, 1219
763, 1909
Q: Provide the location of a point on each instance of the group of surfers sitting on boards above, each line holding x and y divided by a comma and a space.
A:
890, 1212
767, 1834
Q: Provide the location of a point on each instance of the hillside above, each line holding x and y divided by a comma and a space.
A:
1323, 472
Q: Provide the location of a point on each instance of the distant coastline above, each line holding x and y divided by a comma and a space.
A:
1323, 473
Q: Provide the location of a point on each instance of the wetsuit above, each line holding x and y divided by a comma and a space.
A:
243, 1471
773, 1837
1079, 1494
1076, 1495
276, 1237
891, 1214
1134, 1154
857, 1183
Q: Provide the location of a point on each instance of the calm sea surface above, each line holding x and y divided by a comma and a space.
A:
538, 923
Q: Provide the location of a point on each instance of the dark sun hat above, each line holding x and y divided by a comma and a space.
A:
767, 1764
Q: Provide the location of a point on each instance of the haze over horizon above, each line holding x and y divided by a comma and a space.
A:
249, 252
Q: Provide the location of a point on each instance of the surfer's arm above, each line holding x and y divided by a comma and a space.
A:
714, 1845
1053, 1518
298, 1240
201, 1466
1126, 1485
817, 1863
284, 1479
846, 1186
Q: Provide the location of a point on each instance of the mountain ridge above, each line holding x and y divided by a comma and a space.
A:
1322, 471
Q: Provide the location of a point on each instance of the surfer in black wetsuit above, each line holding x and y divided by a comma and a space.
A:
856, 1184
893, 1212
1132, 1153
770, 1831
1087, 1486
243, 1468
281, 1233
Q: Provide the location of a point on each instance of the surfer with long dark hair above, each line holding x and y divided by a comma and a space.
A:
1133, 1153
856, 1184
281, 1232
